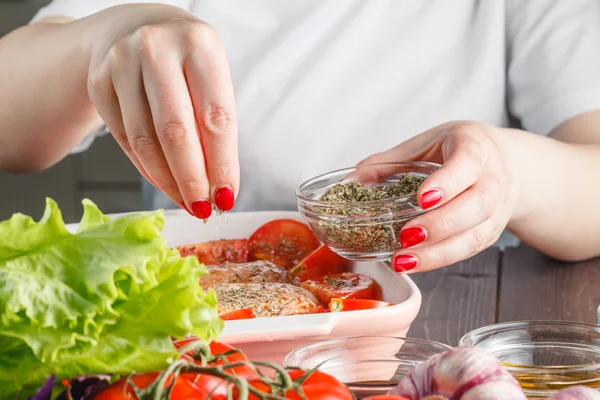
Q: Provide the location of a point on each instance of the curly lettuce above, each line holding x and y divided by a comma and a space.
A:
102, 300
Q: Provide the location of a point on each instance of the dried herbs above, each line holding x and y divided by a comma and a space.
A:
378, 214
357, 192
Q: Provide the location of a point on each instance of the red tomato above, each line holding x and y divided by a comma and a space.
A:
385, 397
318, 310
284, 242
337, 305
347, 285
217, 251
318, 386
217, 348
183, 388
320, 262
244, 313
212, 384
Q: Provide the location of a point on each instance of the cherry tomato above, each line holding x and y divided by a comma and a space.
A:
212, 384
244, 313
284, 242
217, 251
346, 285
218, 348
320, 262
184, 388
337, 305
318, 386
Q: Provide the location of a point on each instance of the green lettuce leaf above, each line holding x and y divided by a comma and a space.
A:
105, 299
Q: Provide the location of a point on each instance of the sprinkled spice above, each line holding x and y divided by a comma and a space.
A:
388, 208
265, 299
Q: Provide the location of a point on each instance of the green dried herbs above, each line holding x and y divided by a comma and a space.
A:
380, 211
354, 192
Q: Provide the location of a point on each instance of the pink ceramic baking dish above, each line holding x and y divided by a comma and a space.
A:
271, 339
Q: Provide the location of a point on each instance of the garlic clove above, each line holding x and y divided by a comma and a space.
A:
494, 390
456, 373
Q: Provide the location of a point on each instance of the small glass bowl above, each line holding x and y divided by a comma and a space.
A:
368, 230
368, 365
544, 356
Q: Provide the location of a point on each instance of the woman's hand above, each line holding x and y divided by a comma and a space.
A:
471, 197
159, 79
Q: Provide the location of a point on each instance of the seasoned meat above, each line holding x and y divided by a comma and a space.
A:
257, 271
268, 299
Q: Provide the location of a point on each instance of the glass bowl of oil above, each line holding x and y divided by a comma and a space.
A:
368, 365
544, 356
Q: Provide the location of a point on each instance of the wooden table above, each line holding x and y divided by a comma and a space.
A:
517, 284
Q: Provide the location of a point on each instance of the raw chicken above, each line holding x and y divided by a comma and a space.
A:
257, 271
268, 299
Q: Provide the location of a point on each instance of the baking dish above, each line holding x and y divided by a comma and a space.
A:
271, 339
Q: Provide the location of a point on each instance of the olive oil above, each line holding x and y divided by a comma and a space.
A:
553, 378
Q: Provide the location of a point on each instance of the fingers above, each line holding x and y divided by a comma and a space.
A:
139, 128
212, 95
449, 251
165, 92
457, 146
173, 117
470, 191
102, 93
466, 211
419, 148
465, 155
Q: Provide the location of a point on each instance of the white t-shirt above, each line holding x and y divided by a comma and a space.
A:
321, 84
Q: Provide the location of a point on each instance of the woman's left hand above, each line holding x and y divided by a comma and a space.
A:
472, 196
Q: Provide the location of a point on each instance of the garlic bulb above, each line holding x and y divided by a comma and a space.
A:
463, 373
577, 393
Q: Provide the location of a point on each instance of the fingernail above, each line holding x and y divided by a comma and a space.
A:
201, 209
431, 198
405, 262
224, 198
412, 236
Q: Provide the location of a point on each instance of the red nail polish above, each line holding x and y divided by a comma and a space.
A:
201, 209
224, 198
431, 198
412, 236
405, 262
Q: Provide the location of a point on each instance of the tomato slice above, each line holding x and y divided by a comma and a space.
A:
320, 262
346, 285
217, 251
337, 305
318, 310
184, 388
244, 313
284, 242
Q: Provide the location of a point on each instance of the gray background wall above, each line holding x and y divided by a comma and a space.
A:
102, 174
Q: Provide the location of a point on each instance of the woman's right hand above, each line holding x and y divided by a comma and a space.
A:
160, 80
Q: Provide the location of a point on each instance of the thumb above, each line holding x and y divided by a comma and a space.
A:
423, 147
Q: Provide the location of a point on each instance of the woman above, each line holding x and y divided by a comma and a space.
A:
320, 85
